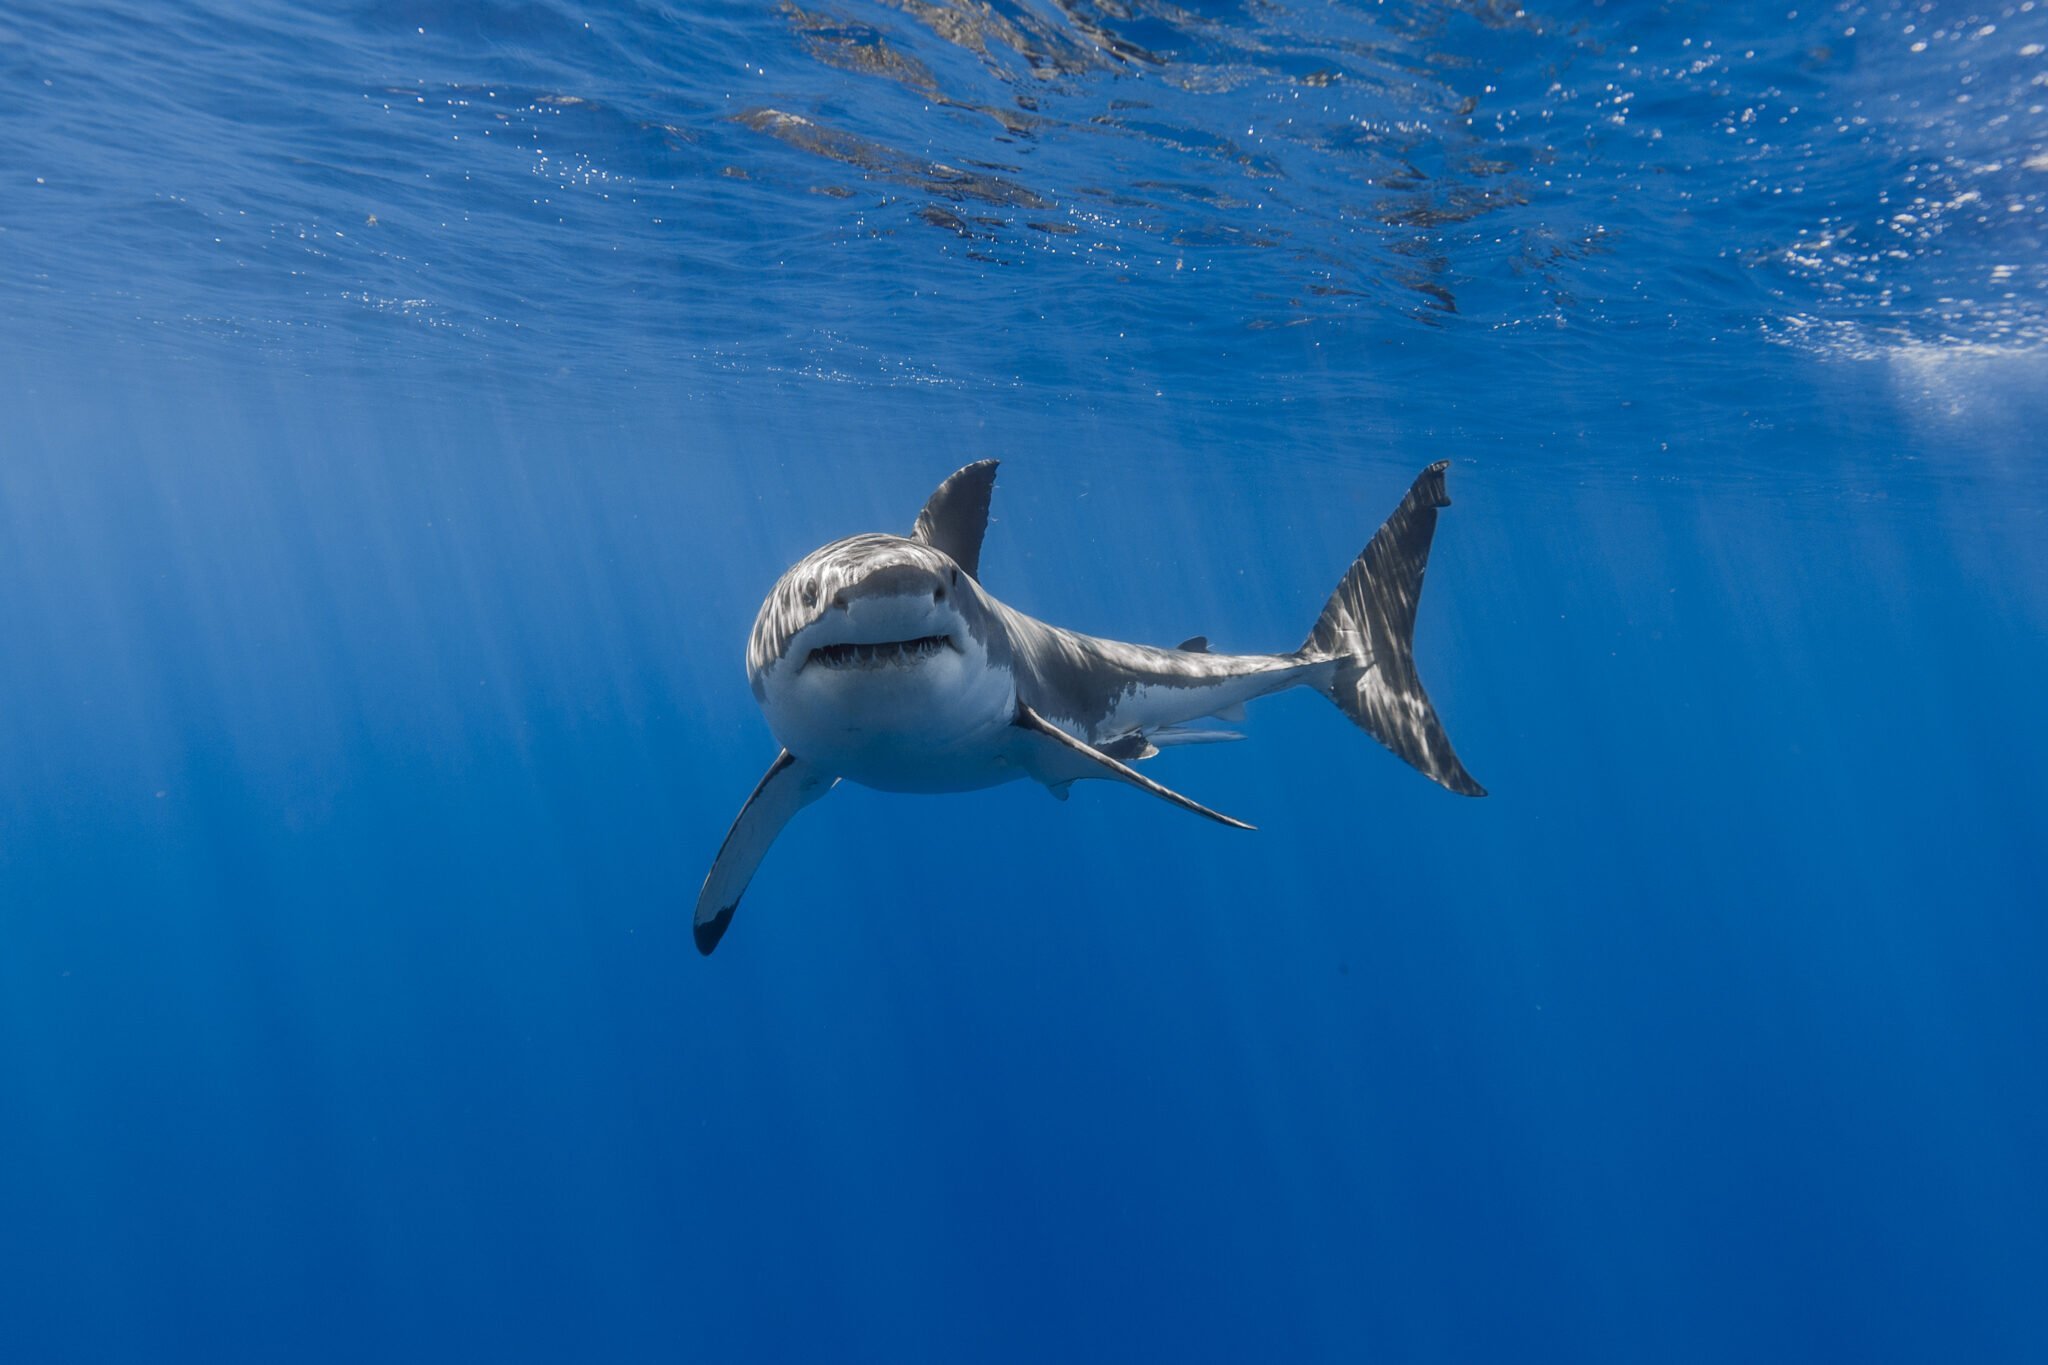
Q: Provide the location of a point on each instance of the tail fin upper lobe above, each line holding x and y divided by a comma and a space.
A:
1368, 628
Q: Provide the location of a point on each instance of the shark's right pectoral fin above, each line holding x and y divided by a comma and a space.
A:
1030, 721
789, 785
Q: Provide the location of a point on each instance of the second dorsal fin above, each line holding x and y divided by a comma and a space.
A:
1194, 644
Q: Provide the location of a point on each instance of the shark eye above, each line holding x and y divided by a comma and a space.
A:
810, 592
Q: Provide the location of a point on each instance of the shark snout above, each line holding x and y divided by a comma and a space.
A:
873, 620
909, 581
900, 615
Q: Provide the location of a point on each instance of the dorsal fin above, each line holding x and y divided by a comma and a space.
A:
1194, 644
956, 515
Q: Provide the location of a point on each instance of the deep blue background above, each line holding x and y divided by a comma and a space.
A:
372, 599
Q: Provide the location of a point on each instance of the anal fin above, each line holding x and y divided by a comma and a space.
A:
1030, 720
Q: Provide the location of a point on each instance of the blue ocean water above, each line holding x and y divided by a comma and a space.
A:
404, 407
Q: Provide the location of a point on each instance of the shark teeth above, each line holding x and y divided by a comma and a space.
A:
885, 654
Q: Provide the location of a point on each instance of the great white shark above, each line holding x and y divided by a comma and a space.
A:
880, 659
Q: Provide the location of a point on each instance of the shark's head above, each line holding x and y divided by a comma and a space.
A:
878, 658
873, 604
881, 659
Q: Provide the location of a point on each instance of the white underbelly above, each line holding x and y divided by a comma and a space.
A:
1150, 706
939, 724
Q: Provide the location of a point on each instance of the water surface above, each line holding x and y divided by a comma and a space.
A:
403, 408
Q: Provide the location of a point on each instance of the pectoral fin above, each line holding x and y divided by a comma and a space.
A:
1030, 720
789, 785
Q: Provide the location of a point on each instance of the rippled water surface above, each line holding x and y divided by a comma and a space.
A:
404, 407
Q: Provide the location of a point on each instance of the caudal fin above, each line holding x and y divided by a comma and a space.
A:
1368, 629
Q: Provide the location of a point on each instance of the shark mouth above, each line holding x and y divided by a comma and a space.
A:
888, 653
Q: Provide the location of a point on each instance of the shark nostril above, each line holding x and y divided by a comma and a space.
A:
839, 600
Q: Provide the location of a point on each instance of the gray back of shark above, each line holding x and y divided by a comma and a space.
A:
880, 659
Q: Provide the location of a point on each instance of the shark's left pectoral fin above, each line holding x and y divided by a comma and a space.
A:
789, 785
1030, 721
